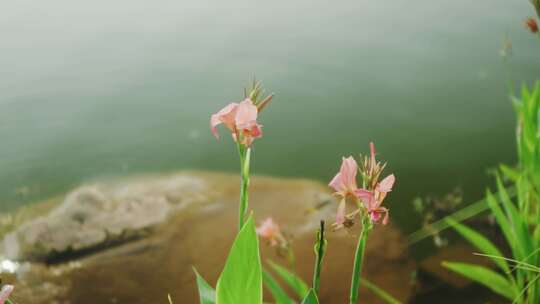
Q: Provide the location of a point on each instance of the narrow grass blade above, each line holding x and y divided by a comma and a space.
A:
485, 276
481, 243
292, 280
385, 296
311, 298
280, 296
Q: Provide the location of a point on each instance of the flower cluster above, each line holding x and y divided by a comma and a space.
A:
269, 231
241, 117
370, 197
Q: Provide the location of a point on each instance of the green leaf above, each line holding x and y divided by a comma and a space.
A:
311, 298
241, 279
481, 243
502, 221
521, 231
295, 282
385, 296
280, 296
511, 173
460, 215
207, 294
484, 276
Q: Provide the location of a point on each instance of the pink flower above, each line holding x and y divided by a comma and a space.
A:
270, 231
344, 183
531, 25
5, 293
373, 199
240, 119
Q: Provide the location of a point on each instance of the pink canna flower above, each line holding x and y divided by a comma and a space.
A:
344, 183
240, 119
368, 199
270, 231
373, 199
5, 293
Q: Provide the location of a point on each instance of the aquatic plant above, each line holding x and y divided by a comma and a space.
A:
367, 201
241, 120
518, 217
242, 276
240, 282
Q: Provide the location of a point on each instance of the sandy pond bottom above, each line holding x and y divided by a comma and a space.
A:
135, 240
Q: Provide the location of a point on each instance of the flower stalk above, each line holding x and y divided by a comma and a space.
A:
320, 250
368, 204
245, 158
240, 118
359, 258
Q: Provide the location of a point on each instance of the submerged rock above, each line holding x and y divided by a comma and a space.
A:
99, 215
136, 240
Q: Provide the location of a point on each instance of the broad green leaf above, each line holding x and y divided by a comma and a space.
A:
280, 296
385, 296
311, 298
295, 282
481, 243
207, 294
241, 279
484, 276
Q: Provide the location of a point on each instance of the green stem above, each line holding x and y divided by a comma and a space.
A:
245, 155
358, 259
320, 248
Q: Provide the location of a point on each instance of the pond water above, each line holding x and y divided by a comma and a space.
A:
105, 89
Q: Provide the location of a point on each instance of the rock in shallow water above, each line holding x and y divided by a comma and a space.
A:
134, 241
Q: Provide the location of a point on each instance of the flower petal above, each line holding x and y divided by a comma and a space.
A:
267, 229
376, 215
5, 293
225, 116
372, 152
246, 116
340, 215
336, 183
366, 196
386, 218
349, 168
386, 184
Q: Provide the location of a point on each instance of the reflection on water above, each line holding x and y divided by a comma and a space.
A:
133, 92
8, 266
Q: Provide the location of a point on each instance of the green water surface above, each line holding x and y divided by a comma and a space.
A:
108, 88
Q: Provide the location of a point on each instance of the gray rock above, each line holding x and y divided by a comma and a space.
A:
94, 216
